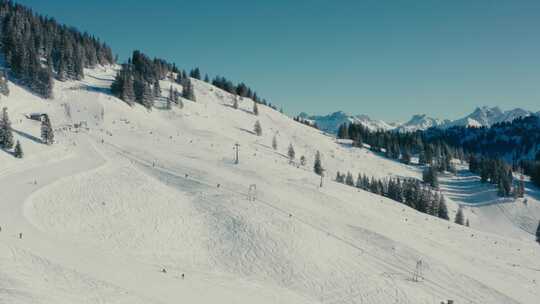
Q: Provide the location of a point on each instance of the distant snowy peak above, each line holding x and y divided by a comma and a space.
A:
331, 122
421, 122
486, 117
373, 124
480, 117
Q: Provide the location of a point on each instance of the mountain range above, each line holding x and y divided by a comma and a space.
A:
481, 117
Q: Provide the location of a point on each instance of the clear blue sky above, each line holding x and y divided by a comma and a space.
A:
388, 59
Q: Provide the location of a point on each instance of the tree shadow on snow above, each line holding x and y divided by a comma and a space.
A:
8, 152
467, 188
239, 109
246, 130
89, 88
28, 136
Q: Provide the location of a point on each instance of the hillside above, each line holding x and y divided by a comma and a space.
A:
108, 207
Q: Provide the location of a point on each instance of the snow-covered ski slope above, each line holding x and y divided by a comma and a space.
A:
105, 210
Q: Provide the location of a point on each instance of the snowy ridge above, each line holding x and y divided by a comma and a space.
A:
486, 117
421, 122
106, 209
481, 117
330, 123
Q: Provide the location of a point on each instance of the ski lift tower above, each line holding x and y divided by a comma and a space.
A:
236, 148
322, 177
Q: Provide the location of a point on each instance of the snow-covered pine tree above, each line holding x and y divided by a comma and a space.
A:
255, 109
291, 153
235, 102
6, 134
146, 96
302, 160
443, 210
317, 166
128, 91
459, 217
47, 133
18, 153
257, 128
274, 143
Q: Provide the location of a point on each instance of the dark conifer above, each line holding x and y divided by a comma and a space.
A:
18, 153
290, 153
6, 134
317, 165
459, 217
257, 128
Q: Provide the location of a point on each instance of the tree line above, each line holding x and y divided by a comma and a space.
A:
306, 122
497, 172
532, 169
436, 153
38, 49
407, 191
513, 141
402, 145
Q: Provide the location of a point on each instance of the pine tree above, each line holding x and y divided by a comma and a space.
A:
317, 166
147, 96
302, 160
235, 102
443, 210
257, 128
459, 217
343, 131
157, 89
538, 233
429, 176
349, 180
422, 158
4, 89
406, 157
467, 223
187, 90
172, 94
6, 134
291, 153
274, 143
255, 109
18, 150
47, 133
195, 73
